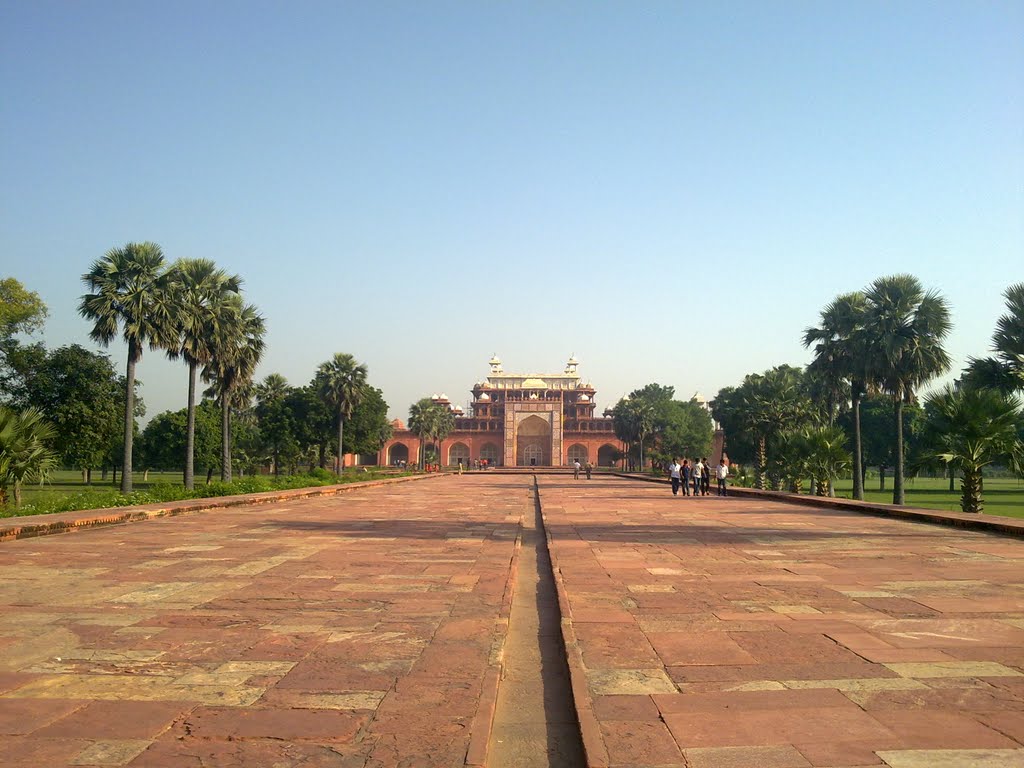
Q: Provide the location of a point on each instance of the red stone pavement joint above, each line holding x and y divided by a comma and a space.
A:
476, 754
590, 730
977, 522
69, 522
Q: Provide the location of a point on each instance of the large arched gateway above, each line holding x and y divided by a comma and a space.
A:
533, 442
521, 419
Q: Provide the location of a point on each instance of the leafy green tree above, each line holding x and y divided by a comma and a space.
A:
25, 454
162, 442
770, 404
236, 351
681, 429
633, 422
1005, 371
369, 427
199, 290
905, 327
81, 396
728, 410
278, 425
841, 359
341, 382
877, 417
129, 290
971, 428
21, 310
314, 422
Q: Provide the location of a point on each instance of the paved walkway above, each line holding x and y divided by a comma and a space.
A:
366, 630
730, 632
343, 631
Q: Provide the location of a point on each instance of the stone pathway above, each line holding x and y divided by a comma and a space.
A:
370, 629
344, 631
709, 632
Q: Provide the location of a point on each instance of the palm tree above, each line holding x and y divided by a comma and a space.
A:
24, 450
904, 327
420, 416
773, 403
129, 289
200, 290
970, 428
341, 382
840, 356
1005, 371
827, 457
273, 387
236, 351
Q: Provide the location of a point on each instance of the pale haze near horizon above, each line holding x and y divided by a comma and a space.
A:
670, 192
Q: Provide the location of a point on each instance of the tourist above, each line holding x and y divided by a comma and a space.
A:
673, 472
589, 468
705, 485
684, 476
576, 466
722, 472
697, 474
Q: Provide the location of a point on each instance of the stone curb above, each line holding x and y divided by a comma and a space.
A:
12, 529
594, 751
483, 721
991, 524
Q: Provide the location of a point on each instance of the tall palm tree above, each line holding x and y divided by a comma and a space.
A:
421, 414
273, 387
773, 402
236, 351
1005, 371
840, 355
200, 290
969, 428
905, 326
25, 453
129, 289
341, 382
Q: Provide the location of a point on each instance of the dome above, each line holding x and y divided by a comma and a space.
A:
484, 397
584, 398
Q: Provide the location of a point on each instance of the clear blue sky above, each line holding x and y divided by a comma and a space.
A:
671, 191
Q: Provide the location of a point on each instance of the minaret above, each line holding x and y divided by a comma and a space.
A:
570, 367
496, 365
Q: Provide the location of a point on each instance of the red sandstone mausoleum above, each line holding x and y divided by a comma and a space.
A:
520, 420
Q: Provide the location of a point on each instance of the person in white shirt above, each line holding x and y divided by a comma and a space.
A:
673, 472
722, 472
698, 473
576, 469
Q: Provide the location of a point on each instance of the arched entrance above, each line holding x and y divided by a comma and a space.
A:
397, 453
606, 455
577, 452
458, 454
489, 453
533, 442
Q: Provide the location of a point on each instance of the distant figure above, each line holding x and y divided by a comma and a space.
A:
673, 472
685, 477
460, 466
576, 469
590, 468
705, 480
722, 472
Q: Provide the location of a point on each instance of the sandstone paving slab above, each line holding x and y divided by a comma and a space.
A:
785, 635
351, 630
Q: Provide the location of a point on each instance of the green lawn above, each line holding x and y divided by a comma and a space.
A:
1003, 495
66, 491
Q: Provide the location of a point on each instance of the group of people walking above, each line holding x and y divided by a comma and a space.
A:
695, 479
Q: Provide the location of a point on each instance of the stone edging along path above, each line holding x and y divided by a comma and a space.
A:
13, 528
977, 522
